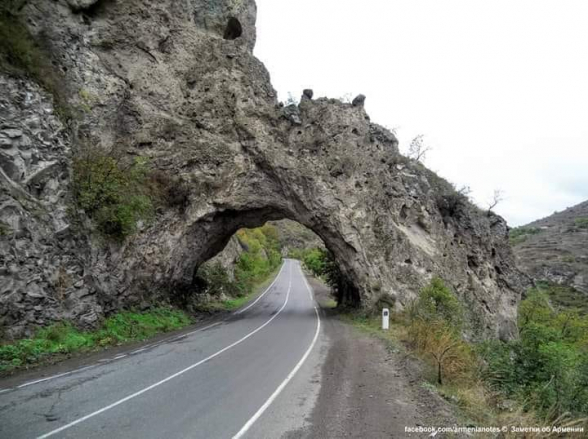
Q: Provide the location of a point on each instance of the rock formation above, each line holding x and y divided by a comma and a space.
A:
176, 81
555, 249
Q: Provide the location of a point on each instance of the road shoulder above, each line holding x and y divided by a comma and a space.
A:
369, 390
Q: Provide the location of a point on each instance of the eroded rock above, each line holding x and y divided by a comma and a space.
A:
177, 82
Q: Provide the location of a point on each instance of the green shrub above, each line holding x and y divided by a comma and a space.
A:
216, 281
113, 195
436, 302
581, 223
547, 366
435, 320
262, 257
315, 260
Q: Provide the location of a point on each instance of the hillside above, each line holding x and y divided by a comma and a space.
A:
295, 235
555, 249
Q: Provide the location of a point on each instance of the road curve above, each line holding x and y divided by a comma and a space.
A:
219, 382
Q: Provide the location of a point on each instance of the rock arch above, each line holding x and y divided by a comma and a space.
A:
202, 108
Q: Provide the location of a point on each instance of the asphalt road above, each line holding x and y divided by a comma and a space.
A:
253, 375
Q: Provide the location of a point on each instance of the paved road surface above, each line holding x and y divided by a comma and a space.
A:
253, 375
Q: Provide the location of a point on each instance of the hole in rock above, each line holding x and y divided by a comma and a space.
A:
233, 30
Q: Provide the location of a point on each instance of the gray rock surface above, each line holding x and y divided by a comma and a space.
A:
557, 251
173, 81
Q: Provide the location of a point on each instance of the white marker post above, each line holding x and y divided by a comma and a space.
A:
385, 319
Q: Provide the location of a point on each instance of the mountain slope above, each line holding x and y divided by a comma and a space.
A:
555, 249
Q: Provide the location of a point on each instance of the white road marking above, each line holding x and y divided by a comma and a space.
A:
107, 360
267, 289
175, 375
30, 383
281, 387
201, 329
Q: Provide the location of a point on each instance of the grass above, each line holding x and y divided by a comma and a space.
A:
63, 339
581, 223
372, 325
537, 380
518, 235
565, 297
475, 404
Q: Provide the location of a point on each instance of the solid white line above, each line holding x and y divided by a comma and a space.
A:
171, 377
118, 357
263, 294
281, 387
201, 329
107, 360
30, 383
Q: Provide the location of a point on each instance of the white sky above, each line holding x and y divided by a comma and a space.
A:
499, 88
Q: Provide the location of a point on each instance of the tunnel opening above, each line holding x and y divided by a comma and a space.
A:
246, 255
233, 30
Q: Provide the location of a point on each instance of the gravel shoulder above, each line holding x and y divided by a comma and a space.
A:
368, 390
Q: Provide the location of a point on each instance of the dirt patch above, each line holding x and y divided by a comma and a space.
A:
369, 390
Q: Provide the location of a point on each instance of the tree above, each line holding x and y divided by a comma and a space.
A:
497, 198
417, 150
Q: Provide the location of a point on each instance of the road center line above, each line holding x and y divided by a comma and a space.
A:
284, 383
175, 375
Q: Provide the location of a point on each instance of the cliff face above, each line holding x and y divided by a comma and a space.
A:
555, 249
176, 81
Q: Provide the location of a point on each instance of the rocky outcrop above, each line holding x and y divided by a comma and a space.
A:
176, 82
229, 256
554, 249
293, 235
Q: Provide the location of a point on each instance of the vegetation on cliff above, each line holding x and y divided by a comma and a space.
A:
260, 258
112, 194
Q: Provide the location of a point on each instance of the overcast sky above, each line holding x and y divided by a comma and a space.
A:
499, 88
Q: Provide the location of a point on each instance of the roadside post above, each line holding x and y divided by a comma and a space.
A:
385, 319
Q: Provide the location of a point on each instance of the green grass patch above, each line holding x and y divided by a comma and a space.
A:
518, 235
372, 325
565, 297
581, 223
62, 339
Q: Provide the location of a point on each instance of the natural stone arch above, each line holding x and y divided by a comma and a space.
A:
209, 237
170, 88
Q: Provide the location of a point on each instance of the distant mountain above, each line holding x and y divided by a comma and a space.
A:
555, 249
